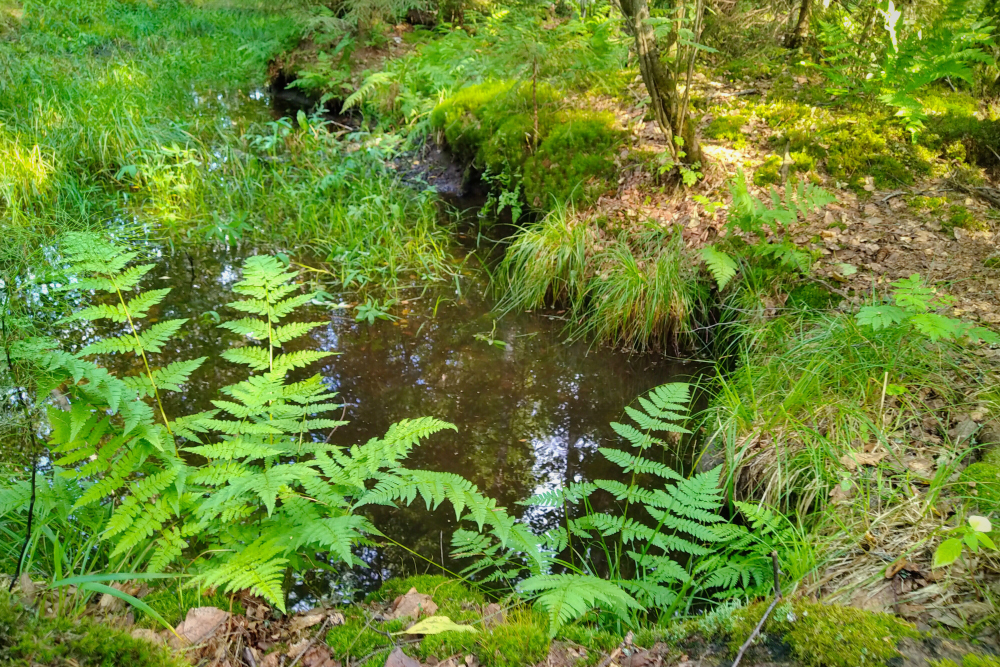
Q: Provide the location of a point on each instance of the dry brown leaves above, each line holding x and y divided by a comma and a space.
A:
213, 637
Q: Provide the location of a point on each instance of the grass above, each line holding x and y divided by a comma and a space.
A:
636, 289
141, 114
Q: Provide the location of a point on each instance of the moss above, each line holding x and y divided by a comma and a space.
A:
811, 295
992, 456
522, 640
173, 604
728, 128
28, 640
992, 262
986, 477
597, 642
358, 637
575, 161
445, 591
959, 216
826, 635
768, 173
493, 125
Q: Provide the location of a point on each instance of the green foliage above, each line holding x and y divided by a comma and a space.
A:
903, 58
972, 537
493, 124
660, 555
728, 128
915, 303
27, 639
720, 265
827, 635
249, 487
749, 214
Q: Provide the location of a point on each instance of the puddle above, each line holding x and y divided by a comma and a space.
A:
531, 410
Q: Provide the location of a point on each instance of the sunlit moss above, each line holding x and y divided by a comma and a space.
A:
27, 640
826, 635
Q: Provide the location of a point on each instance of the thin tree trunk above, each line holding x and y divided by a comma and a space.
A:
801, 31
659, 80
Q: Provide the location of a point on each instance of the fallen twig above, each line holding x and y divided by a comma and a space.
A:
311, 641
763, 619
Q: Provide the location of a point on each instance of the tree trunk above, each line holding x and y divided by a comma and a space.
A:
798, 36
660, 82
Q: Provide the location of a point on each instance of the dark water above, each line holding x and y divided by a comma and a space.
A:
531, 410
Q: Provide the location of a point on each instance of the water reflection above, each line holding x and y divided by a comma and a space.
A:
531, 411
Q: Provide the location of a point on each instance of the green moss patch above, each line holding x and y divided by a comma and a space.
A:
574, 162
826, 635
769, 173
728, 128
986, 478
970, 660
493, 126
26, 639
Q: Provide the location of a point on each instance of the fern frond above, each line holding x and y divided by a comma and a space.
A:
722, 267
259, 568
567, 597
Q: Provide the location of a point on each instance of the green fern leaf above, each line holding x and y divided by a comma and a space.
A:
722, 267
567, 597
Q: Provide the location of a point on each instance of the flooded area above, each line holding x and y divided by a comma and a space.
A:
530, 409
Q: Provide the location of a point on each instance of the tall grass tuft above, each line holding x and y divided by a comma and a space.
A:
548, 262
643, 299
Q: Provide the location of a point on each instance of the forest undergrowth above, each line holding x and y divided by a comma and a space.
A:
833, 251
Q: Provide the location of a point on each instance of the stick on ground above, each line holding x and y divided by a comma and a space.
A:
763, 619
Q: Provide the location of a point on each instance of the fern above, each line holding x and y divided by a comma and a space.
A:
566, 597
722, 267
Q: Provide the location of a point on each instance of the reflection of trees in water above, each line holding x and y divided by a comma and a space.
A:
530, 415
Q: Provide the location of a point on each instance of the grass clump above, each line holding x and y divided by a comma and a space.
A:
27, 640
635, 288
641, 298
826, 635
548, 261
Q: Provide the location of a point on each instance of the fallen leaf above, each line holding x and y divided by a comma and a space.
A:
413, 604
854, 459
399, 659
199, 625
435, 625
309, 619
894, 569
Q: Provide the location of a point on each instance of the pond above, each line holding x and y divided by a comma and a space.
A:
530, 409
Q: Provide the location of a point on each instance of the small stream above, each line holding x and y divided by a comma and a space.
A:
531, 410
